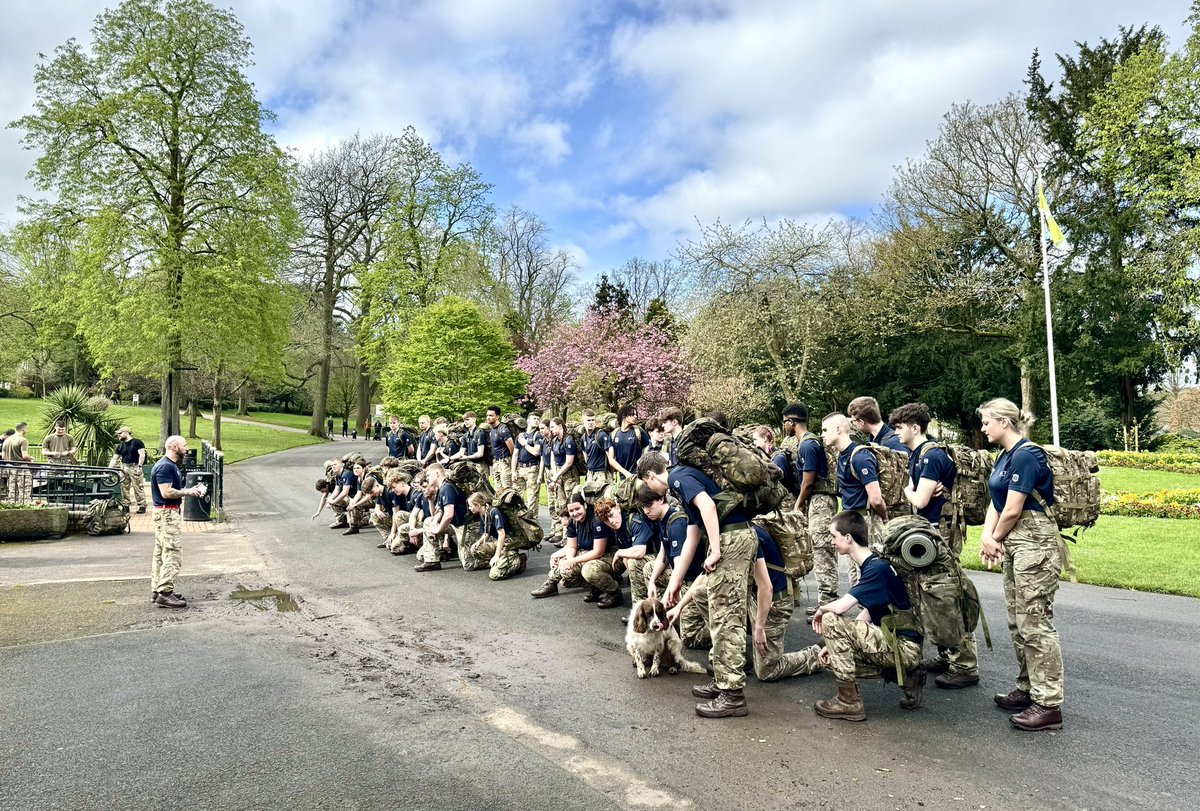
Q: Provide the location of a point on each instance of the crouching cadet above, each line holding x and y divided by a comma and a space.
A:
883, 638
586, 559
494, 547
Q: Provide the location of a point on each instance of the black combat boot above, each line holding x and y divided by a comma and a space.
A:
727, 704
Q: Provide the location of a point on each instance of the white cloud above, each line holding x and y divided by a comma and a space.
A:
542, 141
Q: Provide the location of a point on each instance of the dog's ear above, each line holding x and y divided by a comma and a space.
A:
639, 619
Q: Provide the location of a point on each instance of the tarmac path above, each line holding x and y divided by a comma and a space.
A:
392, 689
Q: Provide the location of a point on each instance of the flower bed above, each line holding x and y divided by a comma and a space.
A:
28, 522
1163, 504
1171, 462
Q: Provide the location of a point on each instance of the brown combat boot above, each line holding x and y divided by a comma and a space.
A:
709, 691
727, 704
547, 589
610, 600
1015, 701
524, 562
956, 681
1036, 718
593, 595
914, 681
937, 665
846, 705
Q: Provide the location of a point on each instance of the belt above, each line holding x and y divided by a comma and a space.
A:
168, 507
737, 526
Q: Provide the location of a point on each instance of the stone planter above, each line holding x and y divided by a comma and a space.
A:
31, 524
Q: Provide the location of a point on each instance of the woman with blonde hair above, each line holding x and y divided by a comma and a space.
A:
1022, 538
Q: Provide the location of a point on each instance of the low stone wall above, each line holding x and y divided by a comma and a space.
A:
32, 523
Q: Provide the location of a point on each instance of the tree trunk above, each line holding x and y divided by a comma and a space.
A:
241, 409
321, 394
1028, 404
365, 390
193, 413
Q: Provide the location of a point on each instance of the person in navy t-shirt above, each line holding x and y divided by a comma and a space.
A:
500, 440
597, 448
858, 477
932, 475
865, 416
852, 627
628, 442
586, 559
764, 439
1023, 539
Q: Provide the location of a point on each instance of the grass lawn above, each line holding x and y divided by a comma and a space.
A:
301, 421
239, 441
1132, 480
1130, 553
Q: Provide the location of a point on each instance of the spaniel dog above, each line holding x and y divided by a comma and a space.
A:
653, 642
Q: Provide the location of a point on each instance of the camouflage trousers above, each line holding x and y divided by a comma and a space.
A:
776, 664
694, 630
508, 565
557, 497
502, 474
133, 486
1031, 569
360, 516
466, 536
399, 522
168, 530
821, 510
728, 587
860, 649
20, 485
602, 476
431, 543
595, 573
640, 570
963, 658
529, 483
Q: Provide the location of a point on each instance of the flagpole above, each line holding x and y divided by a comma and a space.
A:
1049, 325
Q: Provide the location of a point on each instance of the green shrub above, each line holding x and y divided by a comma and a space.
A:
1174, 462
21, 393
1163, 504
1176, 443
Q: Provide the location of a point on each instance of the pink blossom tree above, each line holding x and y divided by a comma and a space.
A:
606, 361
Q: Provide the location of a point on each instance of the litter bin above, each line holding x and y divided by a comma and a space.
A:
198, 508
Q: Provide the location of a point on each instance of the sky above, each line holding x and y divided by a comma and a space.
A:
625, 125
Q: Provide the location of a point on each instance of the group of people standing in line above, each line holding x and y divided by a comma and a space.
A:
719, 573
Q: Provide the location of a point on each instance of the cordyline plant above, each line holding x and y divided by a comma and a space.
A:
606, 361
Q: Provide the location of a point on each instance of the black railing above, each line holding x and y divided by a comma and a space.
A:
71, 486
213, 461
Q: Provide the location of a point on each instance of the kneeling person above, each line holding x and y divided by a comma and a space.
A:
494, 544
883, 638
586, 559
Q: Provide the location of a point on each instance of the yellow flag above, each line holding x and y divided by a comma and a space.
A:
1056, 234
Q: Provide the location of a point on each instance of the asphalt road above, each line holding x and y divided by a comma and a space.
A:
393, 689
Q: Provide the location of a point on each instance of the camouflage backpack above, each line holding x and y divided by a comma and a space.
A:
893, 475
1076, 488
467, 478
943, 598
106, 517
746, 476
523, 531
789, 530
970, 496
829, 485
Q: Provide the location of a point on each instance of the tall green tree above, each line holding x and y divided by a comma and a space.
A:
151, 142
454, 359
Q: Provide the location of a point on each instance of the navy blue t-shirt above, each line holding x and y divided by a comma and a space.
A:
596, 446
879, 587
165, 471
563, 448
386, 501
397, 444
348, 479
853, 484
888, 438
424, 441
1023, 470
784, 463
498, 439
934, 464
418, 502
471, 442
687, 483
811, 458
642, 532
493, 522
524, 457
768, 550
627, 447
589, 531
673, 534
448, 495
547, 454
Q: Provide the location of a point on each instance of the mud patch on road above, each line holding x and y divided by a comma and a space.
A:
265, 597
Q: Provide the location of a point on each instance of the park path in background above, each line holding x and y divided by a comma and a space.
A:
285, 428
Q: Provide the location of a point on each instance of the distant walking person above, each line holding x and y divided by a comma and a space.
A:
329, 427
345, 427
132, 453
167, 491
